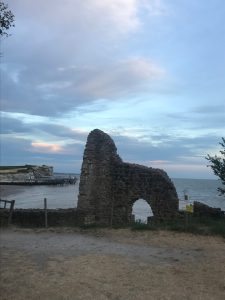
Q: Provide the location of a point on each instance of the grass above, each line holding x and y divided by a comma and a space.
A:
183, 223
187, 223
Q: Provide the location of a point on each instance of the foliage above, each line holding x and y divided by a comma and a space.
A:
187, 223
218, 165
6, 19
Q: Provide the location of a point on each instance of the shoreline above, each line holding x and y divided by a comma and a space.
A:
9, 190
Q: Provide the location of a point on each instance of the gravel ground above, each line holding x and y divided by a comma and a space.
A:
110, 264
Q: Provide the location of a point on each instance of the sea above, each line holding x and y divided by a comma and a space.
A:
202, 190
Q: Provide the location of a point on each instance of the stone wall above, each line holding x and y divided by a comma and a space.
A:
203, 210
109, 187
36, 217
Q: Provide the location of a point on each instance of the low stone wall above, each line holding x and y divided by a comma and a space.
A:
36, 217
201, 209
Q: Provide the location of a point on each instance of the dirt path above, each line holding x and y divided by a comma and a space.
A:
110, 264
46, 244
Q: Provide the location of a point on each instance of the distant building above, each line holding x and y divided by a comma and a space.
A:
24, 173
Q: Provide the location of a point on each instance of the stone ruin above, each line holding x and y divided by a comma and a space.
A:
109, 187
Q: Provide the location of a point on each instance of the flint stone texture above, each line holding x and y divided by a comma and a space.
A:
36, 217
201, 209
109, 187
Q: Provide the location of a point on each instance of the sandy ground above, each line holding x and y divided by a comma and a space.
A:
110, 264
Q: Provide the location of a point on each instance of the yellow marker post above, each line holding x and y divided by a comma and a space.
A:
189, 208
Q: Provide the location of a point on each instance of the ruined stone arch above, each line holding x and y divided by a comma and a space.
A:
109, 187
141, 210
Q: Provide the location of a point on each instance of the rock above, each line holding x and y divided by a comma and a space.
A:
201, 209
109, 187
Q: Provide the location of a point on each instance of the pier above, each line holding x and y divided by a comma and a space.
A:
33, 175
41, 181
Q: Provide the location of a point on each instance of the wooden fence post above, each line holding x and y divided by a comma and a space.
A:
11, 211
46, 213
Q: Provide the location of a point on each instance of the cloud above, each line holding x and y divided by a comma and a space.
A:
14, 151
133, 150
120, 78
178, 156
63, 132
122, 14
53, 136
209, 118
12, 125
156, 7
170, 148
19, 151
73, 29
65, 89
209, 109
136, 64
75, 57
65, 152
46, 147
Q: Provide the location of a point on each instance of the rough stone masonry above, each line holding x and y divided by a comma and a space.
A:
109, 187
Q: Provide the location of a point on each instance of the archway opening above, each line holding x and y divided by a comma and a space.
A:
141, 210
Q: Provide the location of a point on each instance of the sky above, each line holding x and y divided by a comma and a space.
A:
150, 73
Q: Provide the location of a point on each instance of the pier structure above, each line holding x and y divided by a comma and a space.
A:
32, 175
